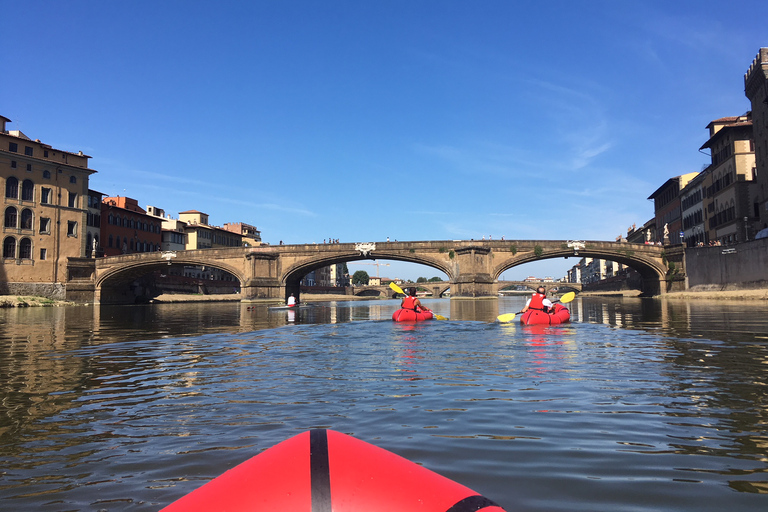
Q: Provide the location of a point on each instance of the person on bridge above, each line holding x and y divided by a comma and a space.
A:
539, 301
411, 302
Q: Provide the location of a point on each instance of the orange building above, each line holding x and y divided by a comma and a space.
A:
126, 228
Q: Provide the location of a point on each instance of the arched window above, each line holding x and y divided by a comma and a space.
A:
117, 242
47, 175
10, 217
25, 249
88, 244
109, 242
73, 179
27, 191
12, 188
9, 247
26, 219
118, 221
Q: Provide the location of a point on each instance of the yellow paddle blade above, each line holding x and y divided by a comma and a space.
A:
507, 317
439, 317
396, 288
568, 297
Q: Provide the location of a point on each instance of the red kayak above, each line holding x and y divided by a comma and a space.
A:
560, 315
326, 471
409, 315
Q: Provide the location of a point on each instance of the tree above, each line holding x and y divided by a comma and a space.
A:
421, 280
360, 277
435, 279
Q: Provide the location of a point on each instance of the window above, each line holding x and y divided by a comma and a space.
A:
26, 219
29, 167
12, 188
71, 228
25, 249
43, 254
9, 247
10, 217
73, 199
45, 155
29, 151
109, 241
13, 164
45, 225
73, 179
45, 195
27, 190
12, 146
47, 175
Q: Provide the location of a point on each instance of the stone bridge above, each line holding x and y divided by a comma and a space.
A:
273, 272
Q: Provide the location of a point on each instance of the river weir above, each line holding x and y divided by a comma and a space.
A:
637, 404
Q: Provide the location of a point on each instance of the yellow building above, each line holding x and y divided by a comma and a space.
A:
201, 235
730, 180
45, 213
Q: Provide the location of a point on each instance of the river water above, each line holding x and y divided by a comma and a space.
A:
637, 405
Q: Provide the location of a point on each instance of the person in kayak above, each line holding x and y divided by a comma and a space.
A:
539, 301
411, 302
291, 301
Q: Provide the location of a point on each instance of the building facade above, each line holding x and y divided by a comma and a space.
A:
126, 228
692, 211
45, 213
251, 237
756, 89
730, 189
666, 208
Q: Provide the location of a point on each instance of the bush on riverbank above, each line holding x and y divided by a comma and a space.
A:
16, 301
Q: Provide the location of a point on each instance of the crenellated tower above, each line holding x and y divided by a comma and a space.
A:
756, 89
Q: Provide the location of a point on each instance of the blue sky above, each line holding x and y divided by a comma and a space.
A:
361, 120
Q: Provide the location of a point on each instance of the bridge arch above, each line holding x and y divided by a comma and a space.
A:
113, 285
652, 271
291, 276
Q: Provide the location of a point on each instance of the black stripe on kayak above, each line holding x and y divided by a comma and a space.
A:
320, 474
472, 504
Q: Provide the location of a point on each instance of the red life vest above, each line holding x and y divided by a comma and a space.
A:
536, 302
408, 303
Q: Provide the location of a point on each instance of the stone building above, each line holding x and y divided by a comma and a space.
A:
45, 213
730, 180
251, 237
666, 208
756, 89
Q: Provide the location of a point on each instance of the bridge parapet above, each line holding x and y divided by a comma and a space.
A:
473, 267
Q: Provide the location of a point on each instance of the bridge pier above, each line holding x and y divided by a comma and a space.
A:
264, 288
472, 286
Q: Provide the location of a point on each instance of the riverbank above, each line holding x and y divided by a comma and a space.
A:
235, 297
25, 301
746, 294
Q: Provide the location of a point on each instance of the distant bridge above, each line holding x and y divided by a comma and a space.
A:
438, 288
273, 272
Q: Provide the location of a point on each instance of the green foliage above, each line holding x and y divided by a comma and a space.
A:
421, 280
442, 249
434, 279
360, 277
411, 250
513, 248
538, 251
451, 254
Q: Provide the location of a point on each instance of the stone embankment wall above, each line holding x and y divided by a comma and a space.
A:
55, 291
744, 265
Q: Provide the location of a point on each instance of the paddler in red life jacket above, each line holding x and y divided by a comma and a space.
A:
411, 302
539, 301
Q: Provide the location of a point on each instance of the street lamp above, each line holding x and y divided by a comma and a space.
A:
746, 229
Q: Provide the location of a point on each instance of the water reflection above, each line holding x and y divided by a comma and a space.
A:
628, 407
